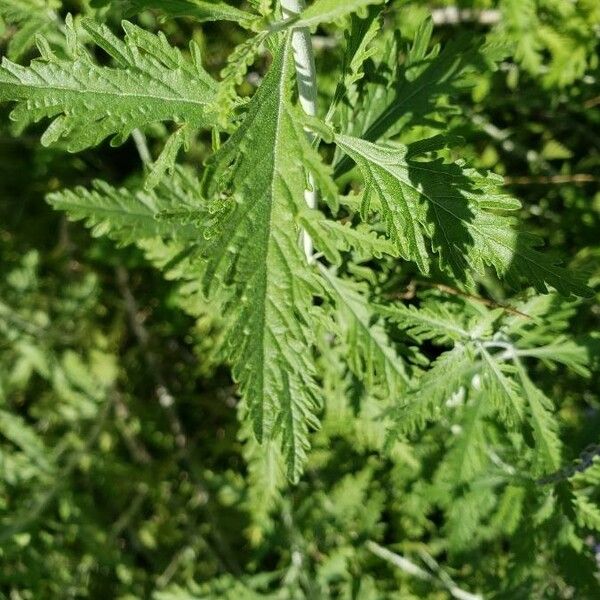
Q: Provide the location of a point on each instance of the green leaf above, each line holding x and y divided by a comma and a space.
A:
17, 431
199, 10
433, 321
359, 48
129, 217
326, 11
395, 97
565, 351
151, 82
33, 18
587, 513
467, 456
429, 76
546, 455
449, 375
253, 248
451, 206
371, 355
166, 162
404, 220
332, 237
266, 478
502, 390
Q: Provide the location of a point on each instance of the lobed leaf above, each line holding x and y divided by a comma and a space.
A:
151, 82
200, 10
371, 355
326, 11
456, 209
129, 217
256, 181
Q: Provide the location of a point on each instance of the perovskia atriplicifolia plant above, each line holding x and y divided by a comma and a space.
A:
314, 200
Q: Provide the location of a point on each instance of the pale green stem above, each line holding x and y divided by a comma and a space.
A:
307, 92
406, 565
139, 139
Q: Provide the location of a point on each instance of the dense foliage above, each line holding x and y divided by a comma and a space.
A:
277, 337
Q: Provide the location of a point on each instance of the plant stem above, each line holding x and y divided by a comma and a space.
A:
307, 91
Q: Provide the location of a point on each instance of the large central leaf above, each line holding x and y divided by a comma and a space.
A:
254, 249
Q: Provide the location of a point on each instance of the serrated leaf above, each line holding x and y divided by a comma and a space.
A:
33, 18
167, 159
403, 219
359, 48
450, 374
429, 322
129, 217
199, 10
151, 82
394, 97
587, 513
332, 237
372, 356
467, 456
452, 205
326, 11
565, 351
502, 390
547, 451
253, 249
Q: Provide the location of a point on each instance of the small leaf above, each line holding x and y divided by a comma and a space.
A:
199, 10
326, 11
165, 163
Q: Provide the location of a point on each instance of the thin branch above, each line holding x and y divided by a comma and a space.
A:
399, 561
592, 102
412, 290
441, 578
141, 143
136, 447
485, 301
578, 178
167, 401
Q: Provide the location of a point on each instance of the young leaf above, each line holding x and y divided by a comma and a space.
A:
151, 82
562, 350
129, 217
430, 322
449, 374
332, 237
371, 354
546, 455
326, 11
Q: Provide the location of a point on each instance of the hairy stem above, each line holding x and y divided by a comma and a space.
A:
307, 91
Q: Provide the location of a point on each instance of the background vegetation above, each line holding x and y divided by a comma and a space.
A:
123, 470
